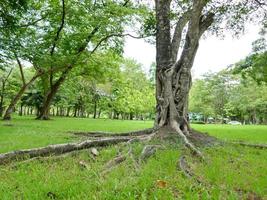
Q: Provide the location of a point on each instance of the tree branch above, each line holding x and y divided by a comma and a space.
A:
21, 69
206, 23
59, 29
114, 35
177, 36
260, 3
33, 22
57, 37
9, 73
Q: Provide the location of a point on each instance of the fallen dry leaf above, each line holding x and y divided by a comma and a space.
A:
161, 184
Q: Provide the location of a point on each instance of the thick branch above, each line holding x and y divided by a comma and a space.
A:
205, 23
57, 37
59, 29
177, 36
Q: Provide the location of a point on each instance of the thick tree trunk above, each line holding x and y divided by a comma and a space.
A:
44, 112
173, 78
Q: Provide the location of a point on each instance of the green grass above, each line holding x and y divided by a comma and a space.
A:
245, 133
230, 172
26, 132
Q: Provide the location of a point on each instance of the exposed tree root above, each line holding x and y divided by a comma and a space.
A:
187, 171
148, 151
189, 140
58, 149
110, 134
103, 139
183, 165
120, 158
259, 146
114, 162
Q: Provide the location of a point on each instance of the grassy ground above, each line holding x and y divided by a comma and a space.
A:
28, 133
230, 172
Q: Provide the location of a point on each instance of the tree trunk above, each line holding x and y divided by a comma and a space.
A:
173, 78
44, 113
18, 96
95, 108
21, 109
3, 92
68, 112
99, 113
75, 112
1, 104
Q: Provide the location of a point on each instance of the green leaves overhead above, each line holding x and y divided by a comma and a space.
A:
84, 25
254, 65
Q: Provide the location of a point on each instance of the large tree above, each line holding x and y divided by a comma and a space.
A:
173, 74
57, 36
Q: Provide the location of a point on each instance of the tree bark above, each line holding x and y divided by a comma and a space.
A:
173, 78
2, 99
15, 100
95, 109
44, 112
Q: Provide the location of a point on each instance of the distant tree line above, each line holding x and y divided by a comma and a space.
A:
121, 90
237, 93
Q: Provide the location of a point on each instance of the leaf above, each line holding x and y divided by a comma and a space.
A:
161, 184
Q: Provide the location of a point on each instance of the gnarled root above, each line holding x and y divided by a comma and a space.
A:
185, 168
148, 151
110, 134
259, 146
57, 149
188, 144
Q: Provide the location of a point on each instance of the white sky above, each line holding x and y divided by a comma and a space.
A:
213, 54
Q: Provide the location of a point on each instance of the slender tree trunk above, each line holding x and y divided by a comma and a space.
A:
75, 112
95, 109
3, 92
1, 104
18, 96
21, 109
68, 112
99, 113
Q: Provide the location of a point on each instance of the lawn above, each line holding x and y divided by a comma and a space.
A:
229, 172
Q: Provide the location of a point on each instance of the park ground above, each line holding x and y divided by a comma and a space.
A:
230, 171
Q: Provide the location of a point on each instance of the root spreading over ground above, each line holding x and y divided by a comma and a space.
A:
194, 141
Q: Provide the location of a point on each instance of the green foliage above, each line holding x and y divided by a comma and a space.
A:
132, 92
254, 66
227, 94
